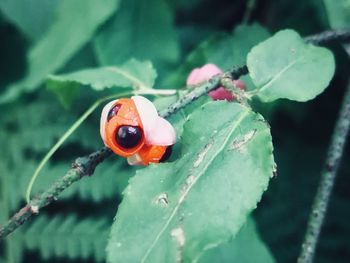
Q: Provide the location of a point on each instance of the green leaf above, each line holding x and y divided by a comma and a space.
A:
246, 247
33, 19
284, 66
224, 168
338, 13
64, 38
132, 74
140, 29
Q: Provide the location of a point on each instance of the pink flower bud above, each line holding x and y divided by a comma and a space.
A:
221, 94
204, 73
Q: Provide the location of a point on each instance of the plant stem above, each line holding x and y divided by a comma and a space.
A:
341, 35
202, 89
77, 124
85, 166
63, 138
249, 9
81, 167
238, 94
334, 155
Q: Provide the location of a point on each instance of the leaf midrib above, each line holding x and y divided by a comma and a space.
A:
132, 78
268, 83
276, 77
183, 196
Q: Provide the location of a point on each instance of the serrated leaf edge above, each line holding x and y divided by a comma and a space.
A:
192, 183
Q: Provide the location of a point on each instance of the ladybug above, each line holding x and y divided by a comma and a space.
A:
132, 128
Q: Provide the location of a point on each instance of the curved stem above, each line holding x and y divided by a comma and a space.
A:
249, 9
76, 125
63, 138
320, 204
85, 166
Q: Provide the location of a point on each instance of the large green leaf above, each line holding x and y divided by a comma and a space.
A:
284, 66
246, 247
176, 211
66, 36
140, 29
32, 18
338, 13
132, 74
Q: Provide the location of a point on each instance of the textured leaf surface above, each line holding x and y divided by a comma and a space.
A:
246, 247
140, 29
284, 66
178, 210
132, 74
64, 38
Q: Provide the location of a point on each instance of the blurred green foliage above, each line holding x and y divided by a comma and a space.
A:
58, 37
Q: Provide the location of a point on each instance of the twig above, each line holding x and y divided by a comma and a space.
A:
85, 166
328, 175
249, 9
238, 94
204, 88
341, 35
81, 167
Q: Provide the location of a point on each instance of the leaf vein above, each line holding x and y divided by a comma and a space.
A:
271, 81
129, 76
193, 182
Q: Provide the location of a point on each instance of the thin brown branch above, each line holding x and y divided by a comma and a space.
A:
320, 204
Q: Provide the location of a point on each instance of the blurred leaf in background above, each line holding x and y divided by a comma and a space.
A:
140, 29
32, 20
65, 36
